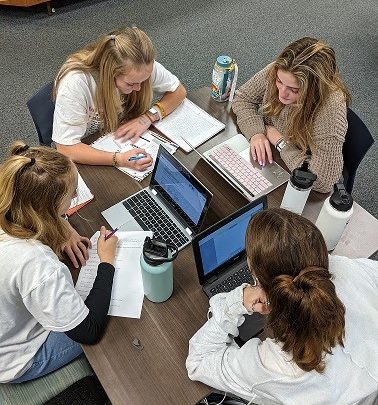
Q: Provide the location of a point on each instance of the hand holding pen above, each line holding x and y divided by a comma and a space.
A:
107, 245
137, 159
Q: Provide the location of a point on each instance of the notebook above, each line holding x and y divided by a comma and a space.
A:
148, 141
173, 206
221, 261
189, 122
231, 159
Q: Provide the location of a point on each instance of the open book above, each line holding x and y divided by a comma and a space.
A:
188, 121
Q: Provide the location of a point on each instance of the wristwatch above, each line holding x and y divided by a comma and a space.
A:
280, 144
153, 114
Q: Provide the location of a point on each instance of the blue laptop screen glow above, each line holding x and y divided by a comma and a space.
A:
225, 242
176, 182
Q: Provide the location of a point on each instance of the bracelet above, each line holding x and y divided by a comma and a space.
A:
115, 163
280, 144
162, 110
148, 116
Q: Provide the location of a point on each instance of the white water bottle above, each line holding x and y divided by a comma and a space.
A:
298, 188
334, 215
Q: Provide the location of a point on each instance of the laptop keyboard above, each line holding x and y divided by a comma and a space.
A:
234, 280
240, 169
150, 216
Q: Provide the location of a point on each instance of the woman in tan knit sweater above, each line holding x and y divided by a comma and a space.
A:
298, 104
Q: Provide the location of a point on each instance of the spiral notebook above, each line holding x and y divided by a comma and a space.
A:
147, 141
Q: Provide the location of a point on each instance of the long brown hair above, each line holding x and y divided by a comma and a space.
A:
34, 183
289, 257
112, 55
313, 64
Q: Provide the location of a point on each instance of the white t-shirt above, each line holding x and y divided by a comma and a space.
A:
37, 295
76, 115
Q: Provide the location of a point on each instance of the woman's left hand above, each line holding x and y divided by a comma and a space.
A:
77, 247
132, 129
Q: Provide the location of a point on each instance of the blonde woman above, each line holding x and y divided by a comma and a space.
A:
322, 316
108, 86
298, 105
43, 319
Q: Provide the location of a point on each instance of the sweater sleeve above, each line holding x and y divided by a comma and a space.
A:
214, 358
330, 126
247, 101
90, 330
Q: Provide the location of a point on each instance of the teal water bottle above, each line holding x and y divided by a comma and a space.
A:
157, 269
224, 77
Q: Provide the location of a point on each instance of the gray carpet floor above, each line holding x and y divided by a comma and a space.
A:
188, 36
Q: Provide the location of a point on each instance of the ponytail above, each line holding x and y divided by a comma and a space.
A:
307, 316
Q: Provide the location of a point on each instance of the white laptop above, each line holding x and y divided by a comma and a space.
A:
232, 160
173, 206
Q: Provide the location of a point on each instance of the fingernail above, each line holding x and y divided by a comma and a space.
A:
270, 161
260, 163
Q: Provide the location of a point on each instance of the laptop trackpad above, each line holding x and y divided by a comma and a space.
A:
119, 216
251, 327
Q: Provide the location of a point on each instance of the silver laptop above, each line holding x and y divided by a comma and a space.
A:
231, 159
221, 261
173, 206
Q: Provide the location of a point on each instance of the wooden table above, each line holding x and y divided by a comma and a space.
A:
157, 374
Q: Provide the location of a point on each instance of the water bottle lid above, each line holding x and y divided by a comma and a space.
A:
156, 251
340, 199
224, 60
302, 177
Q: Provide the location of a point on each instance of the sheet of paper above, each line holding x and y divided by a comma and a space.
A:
83, 193
127, 292
188, 121
147, 142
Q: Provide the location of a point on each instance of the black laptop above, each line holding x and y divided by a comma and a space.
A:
221, 261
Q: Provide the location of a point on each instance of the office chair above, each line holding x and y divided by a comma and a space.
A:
358, 140
41, 107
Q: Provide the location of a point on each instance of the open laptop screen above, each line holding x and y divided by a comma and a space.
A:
181, 189
217, 247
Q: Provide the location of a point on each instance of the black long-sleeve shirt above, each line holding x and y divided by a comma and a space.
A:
90, 330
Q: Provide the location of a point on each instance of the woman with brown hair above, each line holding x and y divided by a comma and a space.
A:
43, 318
322, 313
298, 104
106, 87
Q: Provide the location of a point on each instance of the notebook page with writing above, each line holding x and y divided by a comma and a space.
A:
188, 121
127, 291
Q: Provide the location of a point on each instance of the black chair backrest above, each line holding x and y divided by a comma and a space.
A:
41, 107
358, 140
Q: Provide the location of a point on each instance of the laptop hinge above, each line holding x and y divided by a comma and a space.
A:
212, 279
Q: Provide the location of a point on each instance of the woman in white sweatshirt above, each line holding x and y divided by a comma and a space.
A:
322, 317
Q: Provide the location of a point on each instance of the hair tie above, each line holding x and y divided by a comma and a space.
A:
112, 36
32, 162
22, 149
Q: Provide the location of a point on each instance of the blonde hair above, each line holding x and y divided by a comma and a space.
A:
289, 257
112, 55
313, 64
34, 183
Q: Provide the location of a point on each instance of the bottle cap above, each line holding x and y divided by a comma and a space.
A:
340, 199
224, 61
302, 177
156, 251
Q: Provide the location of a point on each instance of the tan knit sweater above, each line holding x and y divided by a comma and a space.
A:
330, 126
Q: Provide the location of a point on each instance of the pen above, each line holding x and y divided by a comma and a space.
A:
136, 157
144, 139
111, 233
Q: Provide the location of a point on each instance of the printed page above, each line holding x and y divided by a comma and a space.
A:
127, 292
188, 121
84, 195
